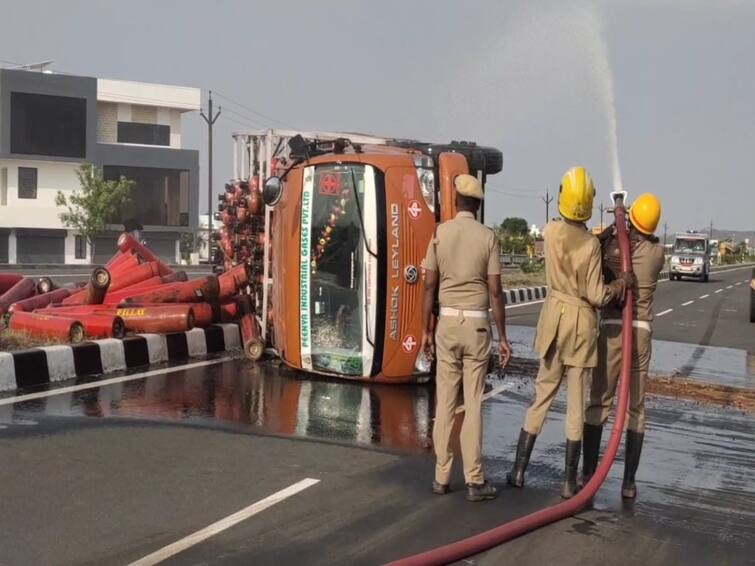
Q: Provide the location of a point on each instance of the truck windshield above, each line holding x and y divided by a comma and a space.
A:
689, 245
336, 286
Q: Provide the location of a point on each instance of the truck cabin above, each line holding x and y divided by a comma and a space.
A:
350, 227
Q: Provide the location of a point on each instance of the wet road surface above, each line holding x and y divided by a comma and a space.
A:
715, 313
112, 474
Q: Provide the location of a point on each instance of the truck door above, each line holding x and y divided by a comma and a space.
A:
449, 166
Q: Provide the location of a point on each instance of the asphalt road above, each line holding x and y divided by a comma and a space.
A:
117, 473
715, 313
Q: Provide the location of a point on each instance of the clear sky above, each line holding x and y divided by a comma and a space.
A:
532, 78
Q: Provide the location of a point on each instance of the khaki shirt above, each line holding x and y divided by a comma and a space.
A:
574, 275
467, 252
648, 261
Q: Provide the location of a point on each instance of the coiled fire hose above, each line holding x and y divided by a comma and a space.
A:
503, 533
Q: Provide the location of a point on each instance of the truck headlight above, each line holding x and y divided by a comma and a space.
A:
698, 261
426, 178
674, 259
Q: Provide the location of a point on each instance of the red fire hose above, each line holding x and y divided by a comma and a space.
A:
488, 539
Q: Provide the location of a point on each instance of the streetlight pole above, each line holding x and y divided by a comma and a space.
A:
210, 120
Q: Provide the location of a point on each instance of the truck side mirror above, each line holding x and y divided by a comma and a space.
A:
272, 191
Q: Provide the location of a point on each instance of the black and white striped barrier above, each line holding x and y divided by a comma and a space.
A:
524, 295
49, 364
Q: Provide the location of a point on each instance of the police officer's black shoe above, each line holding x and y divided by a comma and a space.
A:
631, 462
481, 492
591, 435
570, 487
440, 488
522, 458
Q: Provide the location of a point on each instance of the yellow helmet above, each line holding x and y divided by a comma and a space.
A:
645, 213
575, 195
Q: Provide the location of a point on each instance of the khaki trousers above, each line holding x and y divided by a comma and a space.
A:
546, 387
462, 349
606, 376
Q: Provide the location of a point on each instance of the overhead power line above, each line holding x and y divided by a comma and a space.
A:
253, 111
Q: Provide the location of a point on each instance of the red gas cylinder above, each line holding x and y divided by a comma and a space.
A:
157, 318
7, 280
175, 277
39, 301
229, 311
115, 298
196, 290
22, 289
135, 275
45, 326
232, 280
99, 282
45, 285
102, 325
204, 314
254, 203
250, 336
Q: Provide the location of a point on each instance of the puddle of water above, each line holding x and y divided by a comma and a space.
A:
724, 366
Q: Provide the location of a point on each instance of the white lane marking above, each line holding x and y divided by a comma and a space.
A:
729, 286
105, 382
225, 523
703, 296
524, 304
664, 312
738, 283
687, 303
490, 394
719, 290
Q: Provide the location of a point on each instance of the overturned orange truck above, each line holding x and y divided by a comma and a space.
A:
337, 246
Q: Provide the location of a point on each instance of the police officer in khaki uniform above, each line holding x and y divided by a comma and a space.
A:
567, 331
647, 263
463, 258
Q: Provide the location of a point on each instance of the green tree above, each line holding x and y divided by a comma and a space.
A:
88, 210
515, 227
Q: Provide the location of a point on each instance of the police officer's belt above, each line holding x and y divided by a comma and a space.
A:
448, 311
644, 324
568, 299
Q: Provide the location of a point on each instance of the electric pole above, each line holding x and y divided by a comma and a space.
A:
547, 199
601, 208
665, 231
710, 234
210, 120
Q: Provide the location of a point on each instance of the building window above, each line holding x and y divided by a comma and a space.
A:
80, 245
160, 197
148, 134
48, 125
27, 182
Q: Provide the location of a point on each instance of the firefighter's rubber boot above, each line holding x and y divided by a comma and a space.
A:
523, 451
570, 487
481, 492
591, 435
631, 461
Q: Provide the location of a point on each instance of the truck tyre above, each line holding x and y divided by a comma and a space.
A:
493, 160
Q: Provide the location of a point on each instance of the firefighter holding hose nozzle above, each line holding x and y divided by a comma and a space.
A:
567, 330
647, 263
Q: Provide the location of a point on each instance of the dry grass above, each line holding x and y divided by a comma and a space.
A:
11, 341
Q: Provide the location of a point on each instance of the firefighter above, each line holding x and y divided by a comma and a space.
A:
463, 260
647, 263
566, 336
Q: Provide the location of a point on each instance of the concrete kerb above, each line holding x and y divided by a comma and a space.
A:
524, 294
49, 364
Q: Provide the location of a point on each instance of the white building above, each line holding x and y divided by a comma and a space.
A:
51, 124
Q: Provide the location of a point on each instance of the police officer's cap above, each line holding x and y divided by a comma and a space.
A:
468, 186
